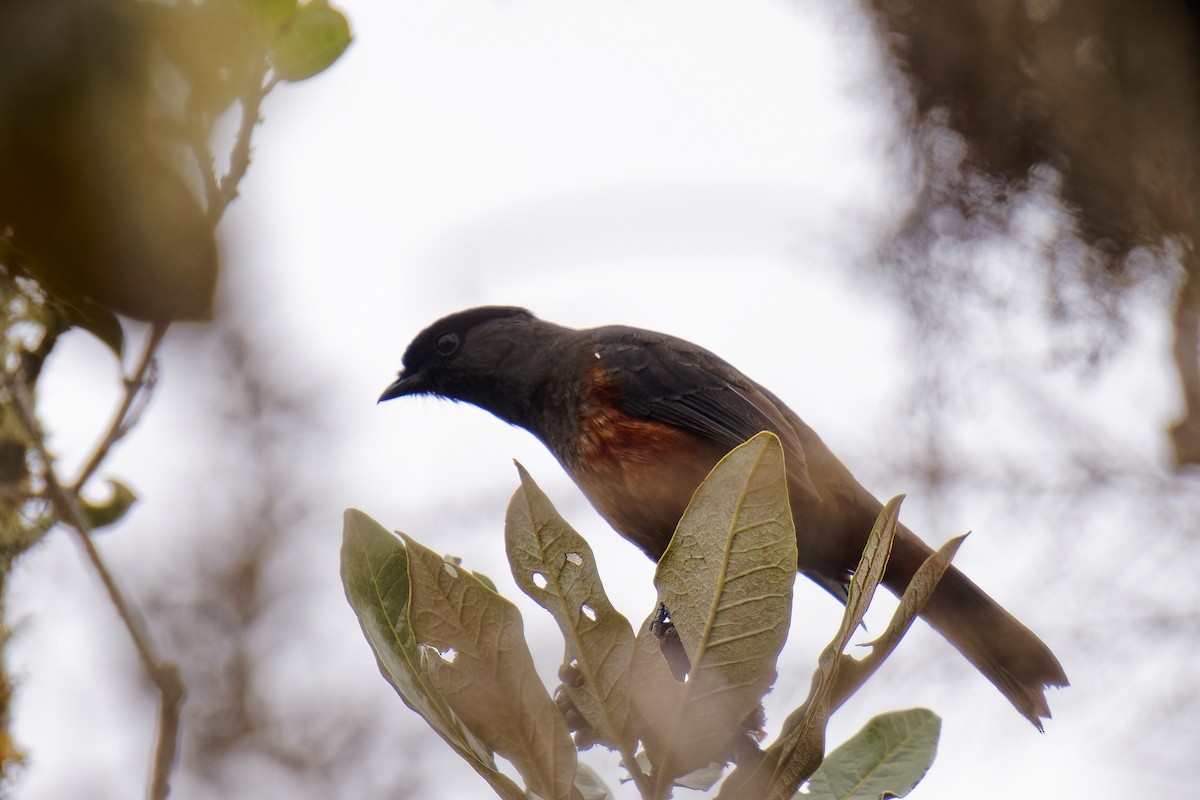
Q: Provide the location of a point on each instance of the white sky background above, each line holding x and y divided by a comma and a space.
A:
714, 170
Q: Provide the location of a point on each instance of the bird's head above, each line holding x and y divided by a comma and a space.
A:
488, 356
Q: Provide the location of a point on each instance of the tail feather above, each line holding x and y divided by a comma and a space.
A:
1008, 654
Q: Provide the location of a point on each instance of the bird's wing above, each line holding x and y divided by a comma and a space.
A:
673, 381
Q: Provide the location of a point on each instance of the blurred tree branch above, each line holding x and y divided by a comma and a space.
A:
164, 674
243, 608
1095, 103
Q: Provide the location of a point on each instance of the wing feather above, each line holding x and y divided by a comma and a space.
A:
670, 380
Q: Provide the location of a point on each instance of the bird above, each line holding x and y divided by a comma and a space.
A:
638, 419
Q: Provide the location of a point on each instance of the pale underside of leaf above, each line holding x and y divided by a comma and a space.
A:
787, 763
727, 579
485, 671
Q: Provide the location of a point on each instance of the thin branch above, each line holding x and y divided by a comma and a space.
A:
164, 674
134, 385
239, 158
219, 193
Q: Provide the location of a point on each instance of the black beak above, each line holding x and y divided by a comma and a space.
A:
404, 385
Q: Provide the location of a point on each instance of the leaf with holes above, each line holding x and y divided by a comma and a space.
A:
726, 579
887, 758
374, 566
484, 670
555, 566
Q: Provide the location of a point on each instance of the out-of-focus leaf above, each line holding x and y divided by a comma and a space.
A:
590, 785
95, 209
727, 579
98, 321
374, 567
272, 14
702, 779
554, 565
216, 45
484, 670
111, 510
311, 41
887, 758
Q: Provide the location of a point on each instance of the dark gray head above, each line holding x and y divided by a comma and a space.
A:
487, 356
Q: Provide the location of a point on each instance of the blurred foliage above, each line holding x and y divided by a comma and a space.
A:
107, 109
454, 650
1057, 148
1091, 103
109, 203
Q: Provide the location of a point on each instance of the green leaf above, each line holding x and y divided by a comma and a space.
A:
554, 565
310, 42
374, 567
727, 578
113, 509
887, 758
483, 668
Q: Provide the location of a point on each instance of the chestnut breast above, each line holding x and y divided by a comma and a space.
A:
639, 474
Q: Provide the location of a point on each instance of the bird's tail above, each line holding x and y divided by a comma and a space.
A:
1008, 654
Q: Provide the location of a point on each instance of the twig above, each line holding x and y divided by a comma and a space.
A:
218, 194
239, 159
164, 674
120, 423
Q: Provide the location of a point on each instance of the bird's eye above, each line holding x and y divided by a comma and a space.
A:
447, 343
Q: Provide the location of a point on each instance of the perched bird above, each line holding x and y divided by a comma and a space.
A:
638, 419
